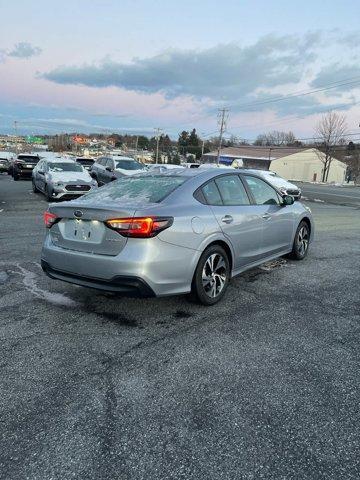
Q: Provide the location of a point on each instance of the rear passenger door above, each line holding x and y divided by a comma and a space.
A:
278, 220
232, 208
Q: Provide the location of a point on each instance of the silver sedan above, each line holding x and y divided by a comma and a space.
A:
61, 178
183, 231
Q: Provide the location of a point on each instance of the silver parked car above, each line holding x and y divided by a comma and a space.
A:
172, 233
61, 178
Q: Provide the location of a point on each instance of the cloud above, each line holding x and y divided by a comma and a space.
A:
224, 72
347, 76
24, 50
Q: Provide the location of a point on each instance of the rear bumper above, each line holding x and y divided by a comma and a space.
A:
165, 268
129, 286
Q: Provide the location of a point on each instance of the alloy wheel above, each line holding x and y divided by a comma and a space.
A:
303, 240
214, 275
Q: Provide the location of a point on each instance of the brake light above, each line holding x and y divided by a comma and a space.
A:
140, 227
50, 219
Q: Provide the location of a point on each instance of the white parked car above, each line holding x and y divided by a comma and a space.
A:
285, 187
163, 167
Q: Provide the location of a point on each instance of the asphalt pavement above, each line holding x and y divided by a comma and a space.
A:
337, 195
264, 385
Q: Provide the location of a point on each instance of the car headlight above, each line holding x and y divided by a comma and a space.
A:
58, 184
94, 183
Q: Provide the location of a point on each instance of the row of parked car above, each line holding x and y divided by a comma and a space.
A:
63, 177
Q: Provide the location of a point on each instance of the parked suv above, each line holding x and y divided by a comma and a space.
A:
86, 162
107, 169
5, 161
24, 165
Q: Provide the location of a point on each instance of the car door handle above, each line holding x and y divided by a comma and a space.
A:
227, 219
266, 216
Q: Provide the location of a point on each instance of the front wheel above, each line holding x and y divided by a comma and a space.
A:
301, 242
34, 187
48, 194
211, 276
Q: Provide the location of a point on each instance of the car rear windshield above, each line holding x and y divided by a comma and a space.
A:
85, 161
136, 190
65, 167
28, 158
129, 165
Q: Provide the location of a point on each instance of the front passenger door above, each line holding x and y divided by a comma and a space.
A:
278, 220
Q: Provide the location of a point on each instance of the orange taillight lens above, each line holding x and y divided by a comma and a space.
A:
50, 219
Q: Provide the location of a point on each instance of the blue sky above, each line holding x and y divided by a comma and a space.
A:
130, 66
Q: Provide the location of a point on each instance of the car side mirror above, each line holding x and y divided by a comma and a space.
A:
108, 169
288, 200
41, 172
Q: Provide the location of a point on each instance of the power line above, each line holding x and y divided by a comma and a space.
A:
299, 94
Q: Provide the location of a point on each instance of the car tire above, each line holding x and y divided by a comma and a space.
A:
211, 276
301, 241
34, 187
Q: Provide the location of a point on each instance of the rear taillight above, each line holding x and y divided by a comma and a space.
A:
50, 219
140, 227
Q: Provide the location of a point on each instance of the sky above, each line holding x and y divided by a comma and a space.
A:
128, 66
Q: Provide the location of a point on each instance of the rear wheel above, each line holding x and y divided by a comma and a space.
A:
301, 241
211, 276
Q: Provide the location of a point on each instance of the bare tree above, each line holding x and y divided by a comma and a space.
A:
276, 138
330, 132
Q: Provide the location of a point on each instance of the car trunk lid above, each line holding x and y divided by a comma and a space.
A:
83, 229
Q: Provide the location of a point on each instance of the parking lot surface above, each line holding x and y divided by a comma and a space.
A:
264, 385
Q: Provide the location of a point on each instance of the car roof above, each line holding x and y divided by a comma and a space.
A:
202, 174
59, 159
29, 154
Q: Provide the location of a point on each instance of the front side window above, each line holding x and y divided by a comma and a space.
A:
232, 190
109, 164
262, 192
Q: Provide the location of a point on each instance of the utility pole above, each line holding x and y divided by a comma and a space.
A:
136, 146
222, 117
157, 132
16, 137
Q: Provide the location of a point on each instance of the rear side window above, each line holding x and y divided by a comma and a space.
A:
262, 192
139, 190
232, 190
212, 194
